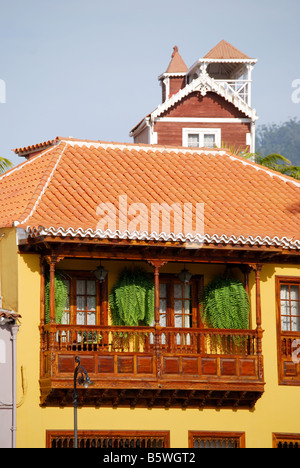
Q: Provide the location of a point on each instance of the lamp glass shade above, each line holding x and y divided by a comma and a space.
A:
185, 276
100, 273
88, 382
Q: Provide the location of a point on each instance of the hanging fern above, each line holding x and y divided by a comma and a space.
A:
61, 296
225, 304
131, 299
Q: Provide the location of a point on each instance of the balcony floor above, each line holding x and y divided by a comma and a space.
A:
156, 398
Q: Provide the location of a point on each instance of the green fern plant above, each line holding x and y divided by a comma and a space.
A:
61, 295
131, 299
225, 304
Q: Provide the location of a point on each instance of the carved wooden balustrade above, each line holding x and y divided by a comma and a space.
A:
289, 358
153, 358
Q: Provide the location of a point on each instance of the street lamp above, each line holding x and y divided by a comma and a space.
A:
81, 377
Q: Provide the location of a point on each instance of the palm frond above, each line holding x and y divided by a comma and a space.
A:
5, 164
292, 171
273, 160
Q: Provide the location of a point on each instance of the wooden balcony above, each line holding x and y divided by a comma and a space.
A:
152, 366
288, 358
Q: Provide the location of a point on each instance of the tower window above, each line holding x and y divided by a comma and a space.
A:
201, 137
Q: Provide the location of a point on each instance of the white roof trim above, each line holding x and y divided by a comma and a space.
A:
204, 83
166, 75
214, 60
25, 163
222, 60
197, 239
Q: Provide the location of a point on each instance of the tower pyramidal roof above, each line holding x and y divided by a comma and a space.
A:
224, 50
176, 64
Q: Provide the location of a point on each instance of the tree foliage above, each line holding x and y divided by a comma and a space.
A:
276, 162
280, 139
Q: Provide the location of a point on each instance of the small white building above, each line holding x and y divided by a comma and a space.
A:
8, 335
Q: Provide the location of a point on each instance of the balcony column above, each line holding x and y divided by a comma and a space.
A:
246, 269
157, 265
52, 357
52, 261
52, 292
42, 309
257, 268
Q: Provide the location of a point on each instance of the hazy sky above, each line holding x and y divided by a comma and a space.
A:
89, 68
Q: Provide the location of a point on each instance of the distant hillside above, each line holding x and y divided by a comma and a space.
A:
282, 139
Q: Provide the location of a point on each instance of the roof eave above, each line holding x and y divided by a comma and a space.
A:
211, 60
166, 75
37, 148
139, 127
188, 239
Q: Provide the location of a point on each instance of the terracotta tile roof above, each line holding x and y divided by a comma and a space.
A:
21, 186
58, 191
9, 315
176, 64
224, 50
35, 148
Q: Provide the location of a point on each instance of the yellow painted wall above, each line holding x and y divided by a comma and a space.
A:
277, 411
8, 269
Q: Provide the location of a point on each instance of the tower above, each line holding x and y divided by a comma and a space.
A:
206, 105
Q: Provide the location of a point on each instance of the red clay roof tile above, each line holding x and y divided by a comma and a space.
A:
224, 50
62, 187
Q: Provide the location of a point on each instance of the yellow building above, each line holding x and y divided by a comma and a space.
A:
80, 220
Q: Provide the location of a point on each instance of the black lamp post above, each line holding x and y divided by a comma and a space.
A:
81, 377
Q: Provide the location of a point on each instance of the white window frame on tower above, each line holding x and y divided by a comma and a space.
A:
200, 132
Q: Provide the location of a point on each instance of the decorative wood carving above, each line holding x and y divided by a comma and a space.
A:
157, 263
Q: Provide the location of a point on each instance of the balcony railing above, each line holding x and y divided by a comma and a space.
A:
149, 365
143, 340
289, 358
239, 88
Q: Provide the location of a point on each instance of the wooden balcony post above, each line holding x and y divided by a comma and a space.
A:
157, 265
42, 310
246, 269
156, 298
52, 260
52, 292
257, 268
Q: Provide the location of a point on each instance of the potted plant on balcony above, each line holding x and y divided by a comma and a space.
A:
131, 299
225, 304
61, 296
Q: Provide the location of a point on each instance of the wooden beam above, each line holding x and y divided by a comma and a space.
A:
157, 265
52, 292
163, 244
257, 268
